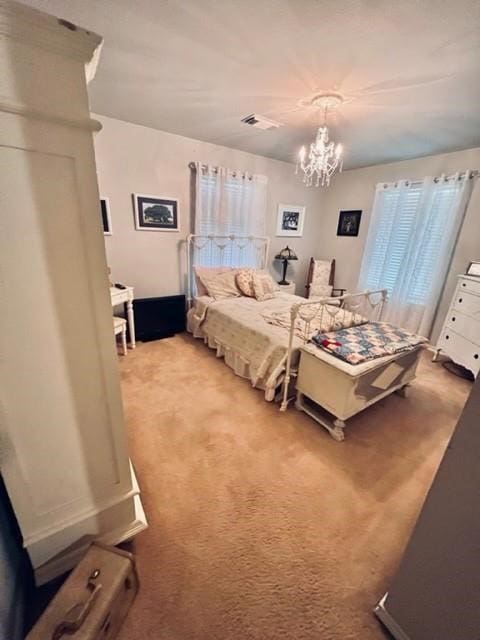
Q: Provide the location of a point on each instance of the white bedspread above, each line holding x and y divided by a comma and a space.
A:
251, 346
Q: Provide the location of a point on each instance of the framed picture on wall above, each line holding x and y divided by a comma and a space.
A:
106, 219
349, 223
290, 219
155, 214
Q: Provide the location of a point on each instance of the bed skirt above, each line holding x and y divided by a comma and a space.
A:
239, 365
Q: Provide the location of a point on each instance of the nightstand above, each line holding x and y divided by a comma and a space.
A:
287, 288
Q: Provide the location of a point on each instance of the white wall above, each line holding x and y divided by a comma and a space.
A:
355, 190
131, 158
135, 159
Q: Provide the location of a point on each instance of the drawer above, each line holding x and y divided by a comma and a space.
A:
460, 350
463, 325
466, 303
472, 286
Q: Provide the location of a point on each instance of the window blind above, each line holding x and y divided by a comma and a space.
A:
395, 236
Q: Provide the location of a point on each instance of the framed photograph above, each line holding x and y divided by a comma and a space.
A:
473, 268
290, 220
106, 219
349, 223
155, 214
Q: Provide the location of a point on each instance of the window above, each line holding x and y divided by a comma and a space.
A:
399, 237
229, 203
410, 242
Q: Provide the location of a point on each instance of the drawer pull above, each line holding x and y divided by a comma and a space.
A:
463, 284
460, 299
476, 356
453, 319
447, 337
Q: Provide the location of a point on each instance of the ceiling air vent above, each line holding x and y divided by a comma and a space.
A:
260, 122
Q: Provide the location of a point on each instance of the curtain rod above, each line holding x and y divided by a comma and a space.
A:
234, 172
471, 174
193, 165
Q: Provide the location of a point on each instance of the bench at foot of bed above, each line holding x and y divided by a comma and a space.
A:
332, 391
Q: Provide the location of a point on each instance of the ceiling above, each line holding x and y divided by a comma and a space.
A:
409, 70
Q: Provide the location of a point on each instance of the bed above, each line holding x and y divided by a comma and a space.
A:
269, 342
236, 328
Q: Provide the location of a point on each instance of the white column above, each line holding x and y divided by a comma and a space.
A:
63, 446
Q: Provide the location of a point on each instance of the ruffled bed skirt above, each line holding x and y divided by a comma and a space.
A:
239, 365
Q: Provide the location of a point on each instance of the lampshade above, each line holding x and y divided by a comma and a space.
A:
286, 254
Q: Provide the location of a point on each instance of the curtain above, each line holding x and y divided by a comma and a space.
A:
228, 202
411, 238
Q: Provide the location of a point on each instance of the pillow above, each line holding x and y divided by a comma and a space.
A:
263, 286
208, 272
244, 280
264, 272
221, 285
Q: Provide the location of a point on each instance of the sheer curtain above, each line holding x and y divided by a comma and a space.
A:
228, 202
411, 238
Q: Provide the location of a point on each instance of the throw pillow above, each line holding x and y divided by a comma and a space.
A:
208, 272
263, 286
221, 285
244, 280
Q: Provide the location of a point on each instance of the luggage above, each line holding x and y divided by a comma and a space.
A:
94, 600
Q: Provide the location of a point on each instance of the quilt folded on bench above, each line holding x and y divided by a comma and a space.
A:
367, 341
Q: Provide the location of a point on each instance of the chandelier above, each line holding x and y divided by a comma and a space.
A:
324, 156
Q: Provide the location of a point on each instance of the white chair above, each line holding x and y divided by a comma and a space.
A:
120, 326
320, 279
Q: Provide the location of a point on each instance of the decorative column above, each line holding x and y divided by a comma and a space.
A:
63, 450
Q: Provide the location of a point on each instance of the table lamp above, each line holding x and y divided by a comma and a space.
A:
285, 255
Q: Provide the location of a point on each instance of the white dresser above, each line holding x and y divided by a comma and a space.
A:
460, 335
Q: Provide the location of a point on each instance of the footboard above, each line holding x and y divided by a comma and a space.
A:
304, 315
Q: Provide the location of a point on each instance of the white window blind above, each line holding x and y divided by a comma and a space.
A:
411, 237
391, 233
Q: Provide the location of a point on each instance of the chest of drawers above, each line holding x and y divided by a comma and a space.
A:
460, 335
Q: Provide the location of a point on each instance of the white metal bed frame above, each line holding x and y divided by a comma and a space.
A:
260, 244
366, 301
367, 304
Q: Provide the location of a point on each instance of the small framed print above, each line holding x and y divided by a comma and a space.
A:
290, 219
473, 268
155, 214
349, 223
106, 219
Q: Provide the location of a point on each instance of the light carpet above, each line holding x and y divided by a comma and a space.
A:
261, 525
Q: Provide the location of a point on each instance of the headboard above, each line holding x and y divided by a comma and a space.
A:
224, 251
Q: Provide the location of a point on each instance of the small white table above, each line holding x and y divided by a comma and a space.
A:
287, 288
121, 296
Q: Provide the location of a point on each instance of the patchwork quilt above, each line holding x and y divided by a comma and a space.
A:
367, 341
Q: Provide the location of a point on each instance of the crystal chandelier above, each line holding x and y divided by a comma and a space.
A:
324, 157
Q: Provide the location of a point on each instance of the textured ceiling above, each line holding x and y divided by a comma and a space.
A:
410, 70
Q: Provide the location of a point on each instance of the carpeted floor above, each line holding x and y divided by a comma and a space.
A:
261, 525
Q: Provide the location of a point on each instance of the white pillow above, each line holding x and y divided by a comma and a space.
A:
264, 272
208, 272
221, 285
263, 286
